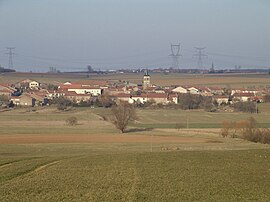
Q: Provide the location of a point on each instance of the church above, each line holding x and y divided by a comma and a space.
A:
146, 80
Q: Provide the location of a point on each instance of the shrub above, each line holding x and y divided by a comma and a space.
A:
265, 136
190, 101
225, 130
72, 121
62, 103
247, 130
245, 107
266, 98
105, 100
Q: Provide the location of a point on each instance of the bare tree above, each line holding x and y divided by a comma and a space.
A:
105, 100
123, 113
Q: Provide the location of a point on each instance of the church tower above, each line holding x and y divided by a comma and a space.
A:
146, 80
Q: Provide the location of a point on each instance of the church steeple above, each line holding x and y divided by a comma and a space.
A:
146, 80
146, 73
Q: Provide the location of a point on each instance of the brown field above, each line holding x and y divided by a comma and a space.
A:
232, 80
38, 139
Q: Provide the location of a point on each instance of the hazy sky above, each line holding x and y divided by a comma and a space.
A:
111, 34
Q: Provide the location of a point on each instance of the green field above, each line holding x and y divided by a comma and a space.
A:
214, 169
51, 121
71, 172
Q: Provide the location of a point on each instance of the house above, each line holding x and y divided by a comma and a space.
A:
221, 99
55, 93
204, 91
133, 88
243, 90
148, 97
243, 97
6, 90
123, 97
27, 99
116, 90
87, 90
28, 84
215, 90
80, 88
34, 85
180, 89
75, 97
194, 90
173, 98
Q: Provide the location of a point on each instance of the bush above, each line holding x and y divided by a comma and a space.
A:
265, 136
190, 101
105, 100
249, 107
247, 130
72, 121
229, 129
62, 103
266, 98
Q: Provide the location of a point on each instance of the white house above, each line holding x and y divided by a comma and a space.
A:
34, 85
194, 90
80, 88
221, 99
86, 90
180, 89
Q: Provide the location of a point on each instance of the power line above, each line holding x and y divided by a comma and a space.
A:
10, 55
200, 55
175, 54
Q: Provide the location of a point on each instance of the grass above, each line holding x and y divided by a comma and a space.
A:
100, 175
166, 118
217, 170
51, 121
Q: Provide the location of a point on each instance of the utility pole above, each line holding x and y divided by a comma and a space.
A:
200, 55
10, 54
175, 54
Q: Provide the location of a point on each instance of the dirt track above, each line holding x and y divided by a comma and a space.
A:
35, 139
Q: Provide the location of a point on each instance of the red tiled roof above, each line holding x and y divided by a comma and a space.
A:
6, 90
76, 86
4, 85
122, 95
215, 88
72, 93
152, 95
243, 95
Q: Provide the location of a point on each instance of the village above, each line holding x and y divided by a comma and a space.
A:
33, 93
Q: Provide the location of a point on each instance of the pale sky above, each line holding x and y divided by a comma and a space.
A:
114, 34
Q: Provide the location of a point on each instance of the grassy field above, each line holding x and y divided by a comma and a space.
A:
52, 121
70, 172
93, 162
